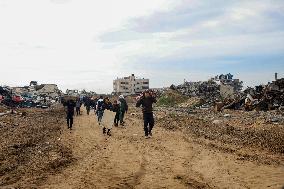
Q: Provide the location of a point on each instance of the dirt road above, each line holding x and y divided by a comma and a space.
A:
168, 160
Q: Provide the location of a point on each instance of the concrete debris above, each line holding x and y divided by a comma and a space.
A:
217, 122
34, 95
265, 97
211, 91
227, 115
224, 92
208, 90
37, 95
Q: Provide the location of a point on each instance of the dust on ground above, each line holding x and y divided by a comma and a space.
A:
188, 150
31, 147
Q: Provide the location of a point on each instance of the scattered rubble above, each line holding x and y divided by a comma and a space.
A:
218, 110
264, 130
267, 97
224, 92
211, 91
34, 95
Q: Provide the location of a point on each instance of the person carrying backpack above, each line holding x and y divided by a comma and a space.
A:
123, 109
147, 101
100, 107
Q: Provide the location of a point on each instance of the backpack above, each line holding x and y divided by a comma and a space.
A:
101, 105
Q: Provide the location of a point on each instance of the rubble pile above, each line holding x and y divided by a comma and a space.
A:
34, 95
216, 89
30, 147
209, 91
224, 92
267, 97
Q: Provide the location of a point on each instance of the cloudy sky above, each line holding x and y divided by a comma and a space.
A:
88, 43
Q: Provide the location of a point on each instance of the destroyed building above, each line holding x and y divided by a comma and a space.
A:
20, 90
216, 89
30, 96
50, 90
266, 97
229, 87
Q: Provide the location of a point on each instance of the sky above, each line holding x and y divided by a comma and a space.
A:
85, 44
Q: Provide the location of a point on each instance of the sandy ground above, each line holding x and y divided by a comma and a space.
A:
171, 159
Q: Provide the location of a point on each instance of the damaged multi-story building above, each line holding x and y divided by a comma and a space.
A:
229, 87
130, 85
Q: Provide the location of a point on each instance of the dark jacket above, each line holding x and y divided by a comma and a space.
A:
116, 108
147, 104
109, 106
88, 102
123, 105
70, 105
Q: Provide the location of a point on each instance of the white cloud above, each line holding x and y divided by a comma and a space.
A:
243, 28
56, 40
59, 41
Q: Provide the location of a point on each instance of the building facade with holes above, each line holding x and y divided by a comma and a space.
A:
130, 85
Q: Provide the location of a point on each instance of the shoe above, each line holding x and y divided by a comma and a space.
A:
150, 134
147, 137
108, 132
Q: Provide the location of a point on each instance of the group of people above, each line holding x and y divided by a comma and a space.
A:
112, 114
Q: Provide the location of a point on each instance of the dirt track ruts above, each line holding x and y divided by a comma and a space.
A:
168, 160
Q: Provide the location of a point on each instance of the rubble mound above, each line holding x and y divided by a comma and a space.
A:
171, 98
30, 147
208, 91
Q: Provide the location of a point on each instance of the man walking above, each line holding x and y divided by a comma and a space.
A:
78, 106
87, 104
147, 101
123, 109
70, 105
107, 122
116, 109
100, 107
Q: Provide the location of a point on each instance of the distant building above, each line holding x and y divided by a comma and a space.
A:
130, 85
33, 83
